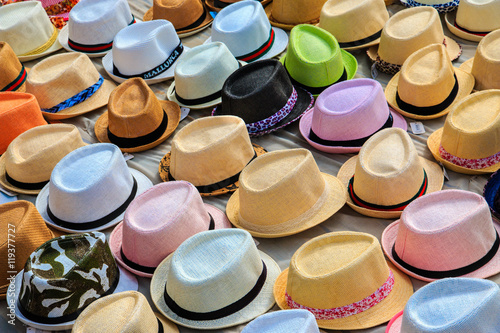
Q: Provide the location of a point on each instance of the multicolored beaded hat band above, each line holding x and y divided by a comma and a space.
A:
263, 49
17, 82
45, 46
315, 90
479, 163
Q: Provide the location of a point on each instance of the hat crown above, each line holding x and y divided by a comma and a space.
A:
293, 320
205, 265
11, 66
486, 62
182, 13
478, 15
297, 11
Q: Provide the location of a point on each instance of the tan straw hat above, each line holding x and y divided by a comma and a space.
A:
210, 153
12, 72
67, 85
485, 65
268, 205
428, 86
28, 162
469, 142
286, 14
388, 174
124, 312
344, 280
136, 120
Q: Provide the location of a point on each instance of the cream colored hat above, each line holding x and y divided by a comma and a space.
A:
428, 86
344, 280
28, 162
474, 19
67, 85
286, 14
469, 142
388, 174
485, 66
267, 203
27, 29
355, 24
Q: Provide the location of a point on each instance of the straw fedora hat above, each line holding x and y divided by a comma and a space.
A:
203, 287
158, 221
491, 194
297, 320
428, 86
200, 75
155, 43
406, 32
442, 6
63, 276
27, 29
136, 120
485, 65
210, 154
12, 73
93, 24
474, 19
187, 16
267, 204
451, 305
245, 29
28, 162
469, 143
344, 280
355, 24
346, 115
388, 174
262, 94
444, 234
217, 5
67, 85
286, 14
30, 232
89, 189
314, 61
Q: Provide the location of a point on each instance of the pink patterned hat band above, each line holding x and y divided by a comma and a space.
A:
474, 164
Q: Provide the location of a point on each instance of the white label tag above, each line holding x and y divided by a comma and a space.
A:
8, 192
417, 128
127, 156
374, 71
184, 112
445, 174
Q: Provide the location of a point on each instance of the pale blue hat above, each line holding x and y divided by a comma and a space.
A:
284, 321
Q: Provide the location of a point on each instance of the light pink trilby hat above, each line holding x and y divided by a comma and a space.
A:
447, 233
158, 221
346, 115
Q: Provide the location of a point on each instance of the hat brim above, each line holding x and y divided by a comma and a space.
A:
394, 325
210, 4
53, 48
116, 237
164, 170
173, 114
126, 282
305, 125
260, 304
465, 85
376, 315
143, 183
389, 238
285, 26
489, 192
450, 23
435, 179
434, 141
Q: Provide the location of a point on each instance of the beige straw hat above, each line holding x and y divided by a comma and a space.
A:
67, 85
388, 174
485, 65
12, 73
344, 280
136, 120
428, 86
286, 14
469, 142
28, 162
268, 205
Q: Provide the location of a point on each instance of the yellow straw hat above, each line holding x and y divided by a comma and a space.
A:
388, 174
344, 280
286, 14
268, 205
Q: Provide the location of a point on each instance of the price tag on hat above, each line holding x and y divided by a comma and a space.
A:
184, 112
417, 127
374, 71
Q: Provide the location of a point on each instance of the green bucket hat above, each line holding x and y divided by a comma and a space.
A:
315, 61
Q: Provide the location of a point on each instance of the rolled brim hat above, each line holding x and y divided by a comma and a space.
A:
491, 194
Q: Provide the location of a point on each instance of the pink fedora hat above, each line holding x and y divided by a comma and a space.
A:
346, 115
444, 234
158, 221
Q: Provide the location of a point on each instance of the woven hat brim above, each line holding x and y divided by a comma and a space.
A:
168, 326
465, 85
435, 179
173, 114
434, 141
126, 282
394, 325
285, 26
389, 238
466, 66
260, 305
143, 183
490, 190
450, 23
336, 200
378, 314
210, 4
115, 239
53, 48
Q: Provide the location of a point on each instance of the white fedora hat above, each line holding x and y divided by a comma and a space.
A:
284, 321
148, 50
89, 189
93, 24
245, 29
